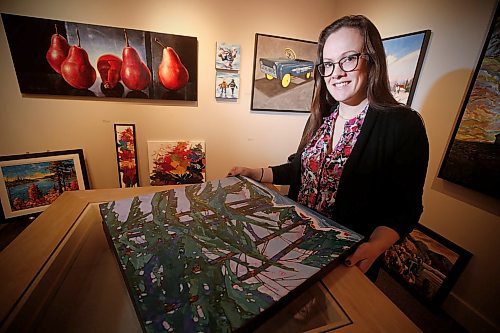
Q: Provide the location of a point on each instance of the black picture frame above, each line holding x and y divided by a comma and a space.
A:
472, 158
405, 55
427, 264
30, 182
283, 74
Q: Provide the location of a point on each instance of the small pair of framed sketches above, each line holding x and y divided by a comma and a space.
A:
284, 70
30, 182
426, 264
227, 77
472, 158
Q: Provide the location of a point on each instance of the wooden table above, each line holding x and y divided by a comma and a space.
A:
60, 275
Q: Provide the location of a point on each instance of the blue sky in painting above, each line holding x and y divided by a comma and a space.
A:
25, 170
399, 47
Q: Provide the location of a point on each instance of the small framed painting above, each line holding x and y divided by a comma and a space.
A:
405, 55
427, 264
29, 183
126, 155
227, 56
176, 162
283, 71
227, 85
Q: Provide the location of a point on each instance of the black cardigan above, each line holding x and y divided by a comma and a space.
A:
383, 178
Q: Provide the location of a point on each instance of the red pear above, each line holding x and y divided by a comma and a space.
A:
172, 73
76, 69
109, 67
58, 51
135, 74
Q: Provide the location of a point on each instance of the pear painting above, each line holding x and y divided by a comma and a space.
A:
172, 73
109, 67
93, 61
58, 51
76, 68
135, 74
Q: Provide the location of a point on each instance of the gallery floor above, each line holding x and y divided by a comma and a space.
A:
428, 321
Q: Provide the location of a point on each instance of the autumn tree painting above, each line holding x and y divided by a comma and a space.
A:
176, 162
213, 256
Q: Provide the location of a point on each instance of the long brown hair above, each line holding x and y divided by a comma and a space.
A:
379, 93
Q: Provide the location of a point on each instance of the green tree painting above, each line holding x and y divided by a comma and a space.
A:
210, 257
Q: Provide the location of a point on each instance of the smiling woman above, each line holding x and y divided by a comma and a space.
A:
363, 156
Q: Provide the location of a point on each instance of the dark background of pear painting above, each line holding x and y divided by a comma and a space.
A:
29, 39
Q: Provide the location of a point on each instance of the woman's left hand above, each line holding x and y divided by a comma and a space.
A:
380, 240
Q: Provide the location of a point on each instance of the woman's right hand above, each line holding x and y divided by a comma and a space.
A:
237, 170
264, 175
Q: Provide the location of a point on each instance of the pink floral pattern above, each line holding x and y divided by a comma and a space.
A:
321, 171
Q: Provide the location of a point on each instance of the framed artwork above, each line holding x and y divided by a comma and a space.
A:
227, 253
176, 162
227, 85
472, 158
283, 72
405, 55
77, 59
126, 155
228, 56
29, 183
427, 264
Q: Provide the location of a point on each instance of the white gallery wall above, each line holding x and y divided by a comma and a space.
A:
236, 135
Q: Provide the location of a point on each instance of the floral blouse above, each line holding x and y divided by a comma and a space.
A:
321, 171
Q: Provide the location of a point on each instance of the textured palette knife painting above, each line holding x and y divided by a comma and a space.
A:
214, 257
176, 162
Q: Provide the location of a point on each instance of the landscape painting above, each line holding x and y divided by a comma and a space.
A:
77, 59
283, 74
473, 155
31, 182
217, 256
405, 55
176, 162
427, 264
126, 153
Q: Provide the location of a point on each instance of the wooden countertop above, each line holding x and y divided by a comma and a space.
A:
60, 273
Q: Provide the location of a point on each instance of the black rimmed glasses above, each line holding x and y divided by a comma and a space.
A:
347, 64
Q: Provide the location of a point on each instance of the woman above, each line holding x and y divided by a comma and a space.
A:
363, 156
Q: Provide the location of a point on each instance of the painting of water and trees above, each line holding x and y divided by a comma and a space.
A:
216, 256
31, 182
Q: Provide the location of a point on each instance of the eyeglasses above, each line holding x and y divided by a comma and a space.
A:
347, 64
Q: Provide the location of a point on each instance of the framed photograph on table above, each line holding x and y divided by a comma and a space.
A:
29, 183
283, 73
427, 264
405, 55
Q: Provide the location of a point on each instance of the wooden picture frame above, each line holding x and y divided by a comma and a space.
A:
405, 56
427, 264
472, 158
283, 74
126, 155
29, 183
